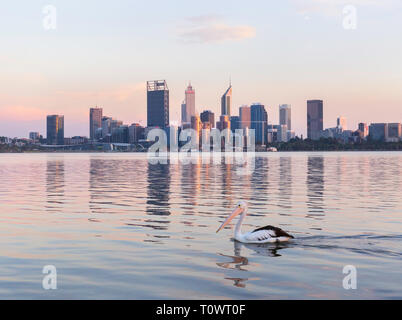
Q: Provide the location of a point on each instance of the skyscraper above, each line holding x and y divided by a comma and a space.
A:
394, 132
226, 102
35, 136
95, 121
135, 132
315, 118
196, 125
157, 104
285, 115
190, 102
282, 132
363, 129
378, 131
106, 126
55, 130
234, 123
208, 117
245, 117
183, 113
223, 123
259, 121
341, 122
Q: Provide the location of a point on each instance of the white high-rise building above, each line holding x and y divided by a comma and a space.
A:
285, 115
226, 102
342, 123
190, 103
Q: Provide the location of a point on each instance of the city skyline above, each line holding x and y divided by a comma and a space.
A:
107, 129
73, 67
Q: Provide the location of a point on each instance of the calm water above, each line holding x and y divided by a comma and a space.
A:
116, 226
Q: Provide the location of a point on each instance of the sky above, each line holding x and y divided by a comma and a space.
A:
101, 53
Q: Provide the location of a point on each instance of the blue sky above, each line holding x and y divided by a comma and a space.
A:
103, 52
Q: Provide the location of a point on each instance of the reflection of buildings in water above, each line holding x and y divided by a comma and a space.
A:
226, 185
384, 183
285, 182
103, 183
158, 192
238, 262
341, 169
55, 184
96, 180
190, 182
315, 186
364, 171
259, 179
207, 178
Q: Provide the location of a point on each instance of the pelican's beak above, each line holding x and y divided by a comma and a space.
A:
235, 213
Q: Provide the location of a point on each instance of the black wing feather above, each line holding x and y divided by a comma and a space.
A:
278, 231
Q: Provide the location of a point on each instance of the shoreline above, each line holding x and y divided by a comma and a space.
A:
142, 152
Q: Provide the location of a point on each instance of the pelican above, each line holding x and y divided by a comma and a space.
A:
266, 234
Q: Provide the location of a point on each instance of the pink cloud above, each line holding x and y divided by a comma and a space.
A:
21, 113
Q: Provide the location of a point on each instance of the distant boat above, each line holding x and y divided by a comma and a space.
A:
272, 149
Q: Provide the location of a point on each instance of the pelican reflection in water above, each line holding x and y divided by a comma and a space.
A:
240, 263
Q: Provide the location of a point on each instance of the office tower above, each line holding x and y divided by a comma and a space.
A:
190, 102
196, 125
234, 123
342, 123
208, 117
223, 123
226, 102
206, 125
282, 132
98, 133
363, 128
157, 104
272, 133
55, 130
135, 133
95, 121
315, 118
106, 124
120, 134
114, 124
285, 115
394, 132
259, 122
245, 116
378, 131
35, 136
183, 113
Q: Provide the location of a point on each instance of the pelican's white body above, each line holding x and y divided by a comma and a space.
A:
267, 234
261, 236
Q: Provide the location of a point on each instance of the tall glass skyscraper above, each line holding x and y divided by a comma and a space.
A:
226, 102
285, 115
315, 118
183, 113
157, 104
55, 130
234, 123
245, 117
208, 117
190, 103
95, 121
259, 122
